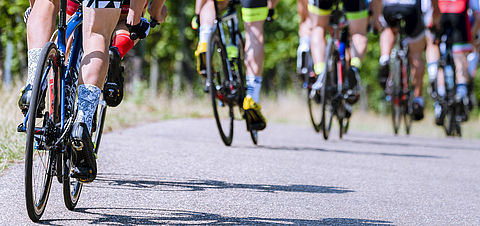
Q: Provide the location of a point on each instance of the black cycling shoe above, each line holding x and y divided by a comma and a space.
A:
439, 113
353, 85
85, 169
24, 101
417, 112
113, 88
383, 72
463, 107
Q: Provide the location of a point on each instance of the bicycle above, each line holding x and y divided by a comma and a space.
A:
328, 88
399, 89
451, 109
225, 73
50, 118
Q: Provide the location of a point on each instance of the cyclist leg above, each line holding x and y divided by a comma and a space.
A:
387, 40
98, 25
357, 14
40, 27
319, 13
207, 26
304, 31
254, 13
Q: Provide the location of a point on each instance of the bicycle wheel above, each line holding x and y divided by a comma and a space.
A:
315, 109
39, 157
395, 92
328, 111
98, 122
219, 88
71, 188
408, 113
450, 121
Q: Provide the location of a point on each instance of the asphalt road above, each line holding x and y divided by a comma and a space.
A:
179, 172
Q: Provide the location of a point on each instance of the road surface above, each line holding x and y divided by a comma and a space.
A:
179, 172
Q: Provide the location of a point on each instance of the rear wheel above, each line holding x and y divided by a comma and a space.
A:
42, 118
408, 113
395, 92
71, 187
219, 88
450, 122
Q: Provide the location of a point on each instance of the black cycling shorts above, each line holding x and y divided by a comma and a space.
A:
101, 4
355, 9
459, 26
412, 14
254, 10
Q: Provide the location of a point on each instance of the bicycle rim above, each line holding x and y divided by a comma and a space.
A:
217, 75
315, 110
39, 159
396, 95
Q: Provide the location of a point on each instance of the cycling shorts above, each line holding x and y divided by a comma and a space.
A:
459, 26
354, 9
412, 15
102, 4
254, 10
72, 7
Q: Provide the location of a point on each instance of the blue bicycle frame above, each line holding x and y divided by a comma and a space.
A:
68, 71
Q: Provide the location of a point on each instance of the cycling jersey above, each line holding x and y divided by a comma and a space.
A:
452, 6
254, 10
411, 11
355, 9
103, 3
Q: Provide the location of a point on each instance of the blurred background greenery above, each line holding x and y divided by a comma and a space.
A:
165, 63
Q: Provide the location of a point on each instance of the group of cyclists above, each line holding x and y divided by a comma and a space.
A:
108, 24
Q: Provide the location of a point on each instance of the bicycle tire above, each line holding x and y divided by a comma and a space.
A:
313, 103
71, 188
450, 122
396, 90
216, 83
48, 60
327, 107
408, 113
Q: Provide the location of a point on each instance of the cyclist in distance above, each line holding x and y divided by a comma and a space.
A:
415, 31
357, 14
454, 16
98, 26
254, 14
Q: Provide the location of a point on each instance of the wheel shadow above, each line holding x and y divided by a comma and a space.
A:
150, 216
147, 182
296, 148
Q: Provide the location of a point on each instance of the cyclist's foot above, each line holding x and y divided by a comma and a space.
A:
201, 53
348, 110
418, 109
353, 85
463, 107
439, 113
113, 88
24, 100
254, 114
85, 169
383, 72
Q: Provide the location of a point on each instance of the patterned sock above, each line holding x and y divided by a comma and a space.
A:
254, 85
88, 97
33, 55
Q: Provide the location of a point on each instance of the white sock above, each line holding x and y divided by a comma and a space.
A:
254, 85
88, 97
384, 60
33, 55
205, 31
432, 69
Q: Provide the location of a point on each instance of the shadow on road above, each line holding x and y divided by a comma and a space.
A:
292, 148
388, 142
138, 182
149, 216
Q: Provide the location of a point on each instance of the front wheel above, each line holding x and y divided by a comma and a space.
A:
42, 118
219, 88
314, 110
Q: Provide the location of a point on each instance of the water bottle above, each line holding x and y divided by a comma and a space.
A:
449, 82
